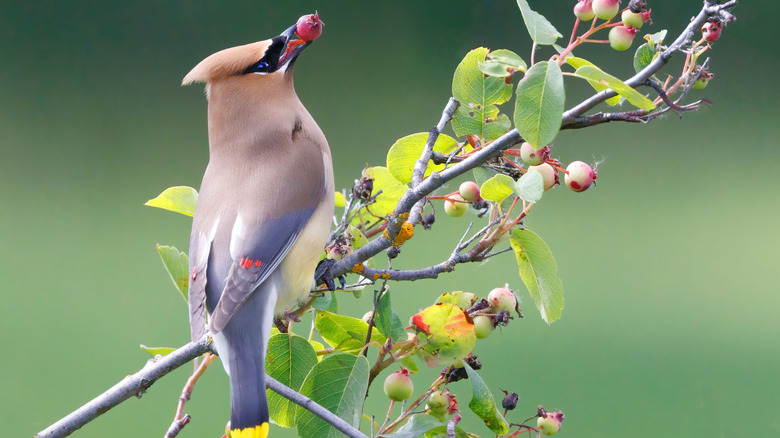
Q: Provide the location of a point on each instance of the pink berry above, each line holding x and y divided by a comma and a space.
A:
398, 386
549, 175
632, 19
469, 190
550, 423
621, 37
579, 176
533, 157
584, 10
309, 27
606, 9
502, 299
711, 31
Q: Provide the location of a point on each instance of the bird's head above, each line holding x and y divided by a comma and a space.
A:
273, 58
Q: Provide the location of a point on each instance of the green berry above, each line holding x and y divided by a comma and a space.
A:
455, 209
621, 37
469, 190
632, 19
483, 326
606, 9
398, 386
550, 423
502, 299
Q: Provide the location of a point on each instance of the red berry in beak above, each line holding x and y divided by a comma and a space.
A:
309, 27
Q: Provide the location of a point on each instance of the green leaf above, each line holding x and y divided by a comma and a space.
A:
345, 333
392, 191
539, 272
180, 199
478, 95
387, 321
405, 152
481, 175
595, 75
502, 63
643, 57
154, 351
338, 383
326, 302
177, 265
497, 188
539, 104
340, 201
459, 298
541, 31
579, 62
530, 186
289, 360
417, 425
484, 405
654, 39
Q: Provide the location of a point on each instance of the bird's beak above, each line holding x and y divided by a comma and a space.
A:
292, 47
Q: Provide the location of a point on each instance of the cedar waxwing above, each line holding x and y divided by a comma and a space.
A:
262, 216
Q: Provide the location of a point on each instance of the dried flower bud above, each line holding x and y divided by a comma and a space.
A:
510, 400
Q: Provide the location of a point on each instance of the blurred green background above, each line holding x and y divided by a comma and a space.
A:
670, 265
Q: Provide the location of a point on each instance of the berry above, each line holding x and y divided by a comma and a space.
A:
533, 157
621, 37
428, 220
309, 27
579, 176
606, 9
549, 175
510, 400
584, 10
711, 31
442, 403
632, 19
398, 386
469, 190
701, 83
550, 423
455, 209
483, 326
502, 299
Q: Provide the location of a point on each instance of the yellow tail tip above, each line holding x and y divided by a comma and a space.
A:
259, 431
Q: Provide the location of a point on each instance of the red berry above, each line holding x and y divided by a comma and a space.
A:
549, 175
550, 423
502, 299
455, 209
398, 386
621, 37
469, 191
579, 176
711, 31
532, 156
309, 27
584, 10
632, 19
606, 9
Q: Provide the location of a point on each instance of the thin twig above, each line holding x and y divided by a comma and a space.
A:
180, 419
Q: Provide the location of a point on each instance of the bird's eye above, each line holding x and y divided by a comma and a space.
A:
261, 65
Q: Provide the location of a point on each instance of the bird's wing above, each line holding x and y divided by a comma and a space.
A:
263, 234
200, 247
256, 252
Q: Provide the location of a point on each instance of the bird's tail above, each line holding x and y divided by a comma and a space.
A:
244, 342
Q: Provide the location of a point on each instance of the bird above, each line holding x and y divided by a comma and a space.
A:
262, 216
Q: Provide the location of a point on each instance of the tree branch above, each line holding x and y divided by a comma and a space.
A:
157, 367
709, 9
